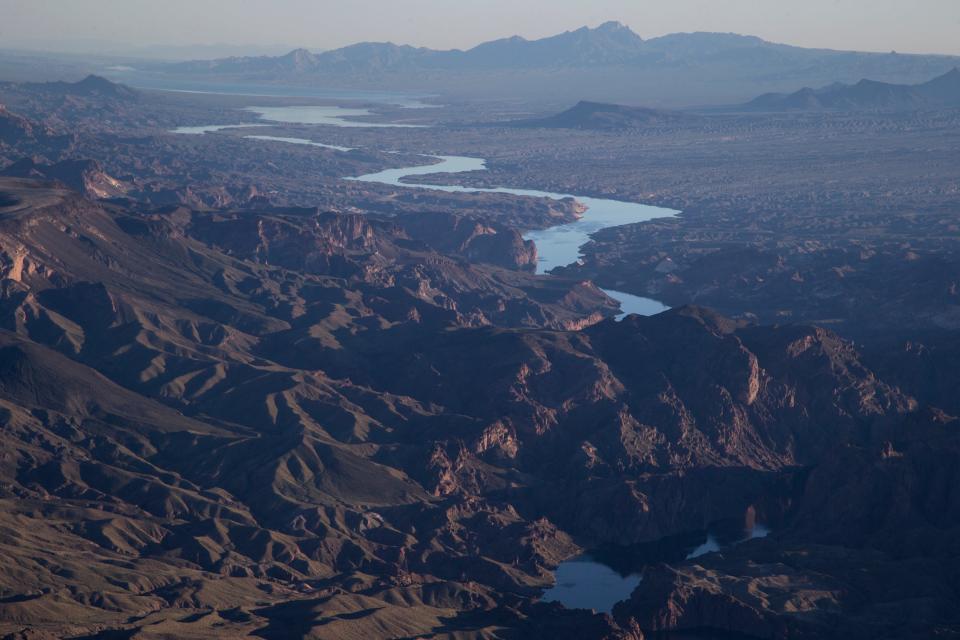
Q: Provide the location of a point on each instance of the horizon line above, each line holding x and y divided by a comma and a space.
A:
116, 48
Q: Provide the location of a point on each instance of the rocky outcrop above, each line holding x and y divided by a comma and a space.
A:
867, 551
83, 176
473, 239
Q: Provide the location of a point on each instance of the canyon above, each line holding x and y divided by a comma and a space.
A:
244, 395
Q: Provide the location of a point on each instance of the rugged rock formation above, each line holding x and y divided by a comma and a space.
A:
247, 397
869, 551
281, 421
19, 135
84, 176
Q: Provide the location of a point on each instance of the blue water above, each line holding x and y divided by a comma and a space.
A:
210, 128
300, 141
556, 246
631, 304
584, 583
324, 115
712, 544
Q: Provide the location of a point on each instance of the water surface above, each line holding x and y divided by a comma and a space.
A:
601, 578
715, 541
210, 128
630, 303
300, 141
556, 246
324, 115
584, 583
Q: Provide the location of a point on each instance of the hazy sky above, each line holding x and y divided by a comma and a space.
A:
931, 26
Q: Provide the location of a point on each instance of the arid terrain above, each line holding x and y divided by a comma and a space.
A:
243, 396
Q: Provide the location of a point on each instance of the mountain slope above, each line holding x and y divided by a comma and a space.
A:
610, 43
90, 86
938, 93
599, 116
683, 68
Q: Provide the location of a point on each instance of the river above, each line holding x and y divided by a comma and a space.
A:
556, 246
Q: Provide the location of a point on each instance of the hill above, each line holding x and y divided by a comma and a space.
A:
940, 92
600, 116
91, 86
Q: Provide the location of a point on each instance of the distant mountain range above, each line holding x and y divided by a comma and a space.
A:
609, 44
609, 63
941, 92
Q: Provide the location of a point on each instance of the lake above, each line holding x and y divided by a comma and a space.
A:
585, 583
601, 578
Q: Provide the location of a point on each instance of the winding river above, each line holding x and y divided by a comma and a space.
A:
556, 246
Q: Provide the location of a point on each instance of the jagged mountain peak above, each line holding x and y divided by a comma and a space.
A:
613, 25
608, 31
